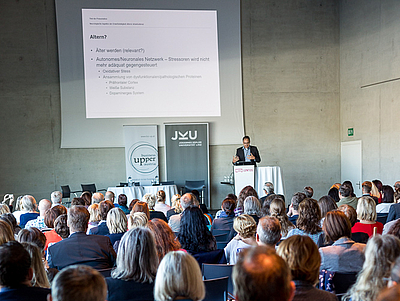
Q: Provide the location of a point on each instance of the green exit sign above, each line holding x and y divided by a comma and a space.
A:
350, 132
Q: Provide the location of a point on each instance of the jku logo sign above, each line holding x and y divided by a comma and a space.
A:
184, 136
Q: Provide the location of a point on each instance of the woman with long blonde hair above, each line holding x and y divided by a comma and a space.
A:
381, 252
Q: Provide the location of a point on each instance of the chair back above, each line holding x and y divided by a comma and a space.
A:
167, 183
89, 187
217, 256
221, 235
66, 192
194, 185
381, 217
216, 289
213, 271
360, 237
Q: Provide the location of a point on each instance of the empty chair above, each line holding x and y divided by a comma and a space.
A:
213, 271
66, 192
91, 187
195, 185
216, 289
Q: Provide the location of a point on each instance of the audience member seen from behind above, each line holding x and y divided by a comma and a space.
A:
179, 277
225, 221
245, 227
302, 256
141, 207
308, 191
122, 203
176, 207
260, 274
137, 219
366, 213
10, 218
380, 253
160, 204
326, 204
33, 235
78, 282
39, 278
61, 227
150, 199
277, 209
102, 229
164, 237
293, 212
252, 207
308, 222
137, 262
87, 196
6, 232
49, 218
28, 203
194, 235
334, 192
16, 274
345, 196
94, 219
351, 214
387, 199
268, 231
117, 224
344, 255
243, 194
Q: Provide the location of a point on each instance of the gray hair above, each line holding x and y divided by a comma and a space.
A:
117, 221
97, 197
178, 275
137, 257
188, 199
76, 281
56, 197
109, 196
28, 203
269, 230
268, 187
150, 199
252, 206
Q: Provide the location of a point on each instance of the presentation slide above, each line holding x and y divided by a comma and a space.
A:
150, 63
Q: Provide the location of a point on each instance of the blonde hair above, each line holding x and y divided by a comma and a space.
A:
178, 275
375, 191
277, 209
150, 199
6, 232
94, 213
245, 225
28, 203
137, 219
39, 274
381, 252
302, 256
176, 203
4, 209
117, 221
366, 209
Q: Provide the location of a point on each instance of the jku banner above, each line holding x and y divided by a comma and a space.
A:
141, 153
187, 154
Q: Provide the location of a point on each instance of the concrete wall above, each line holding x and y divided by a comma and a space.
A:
291, 100
370, 56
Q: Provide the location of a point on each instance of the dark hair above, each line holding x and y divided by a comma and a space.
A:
10, 218
15, 262
160, 196
61, 227
232, 196
378, 184
87, 197
78, 218
194, 235
308, 191
203, 208
326, 204
267, 203
297, 198
367, 186
244, 193
52, 213
246, 137
141, 207
78, 201
350, 212
104, 207
309, 216
164, 237
395, 229
388, 194
348, 183
34, 235
122, 199
132, 204
336, 225
345, 190
228, 205
334, 194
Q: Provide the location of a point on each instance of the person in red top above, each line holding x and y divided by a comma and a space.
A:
366, 213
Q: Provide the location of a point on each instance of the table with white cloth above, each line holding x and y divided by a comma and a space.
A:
137, 192
269, 174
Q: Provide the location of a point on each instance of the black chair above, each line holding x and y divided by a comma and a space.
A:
167, 183
342, 282
199, 185
216, 289
381, 217
217, 256
91, 187
213, 271
221, 235
360, 237
66, 192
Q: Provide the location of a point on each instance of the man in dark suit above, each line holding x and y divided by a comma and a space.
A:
247, 153
92, 250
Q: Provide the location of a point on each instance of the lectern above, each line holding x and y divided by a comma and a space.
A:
244, 176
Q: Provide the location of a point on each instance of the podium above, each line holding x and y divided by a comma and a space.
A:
244, 176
